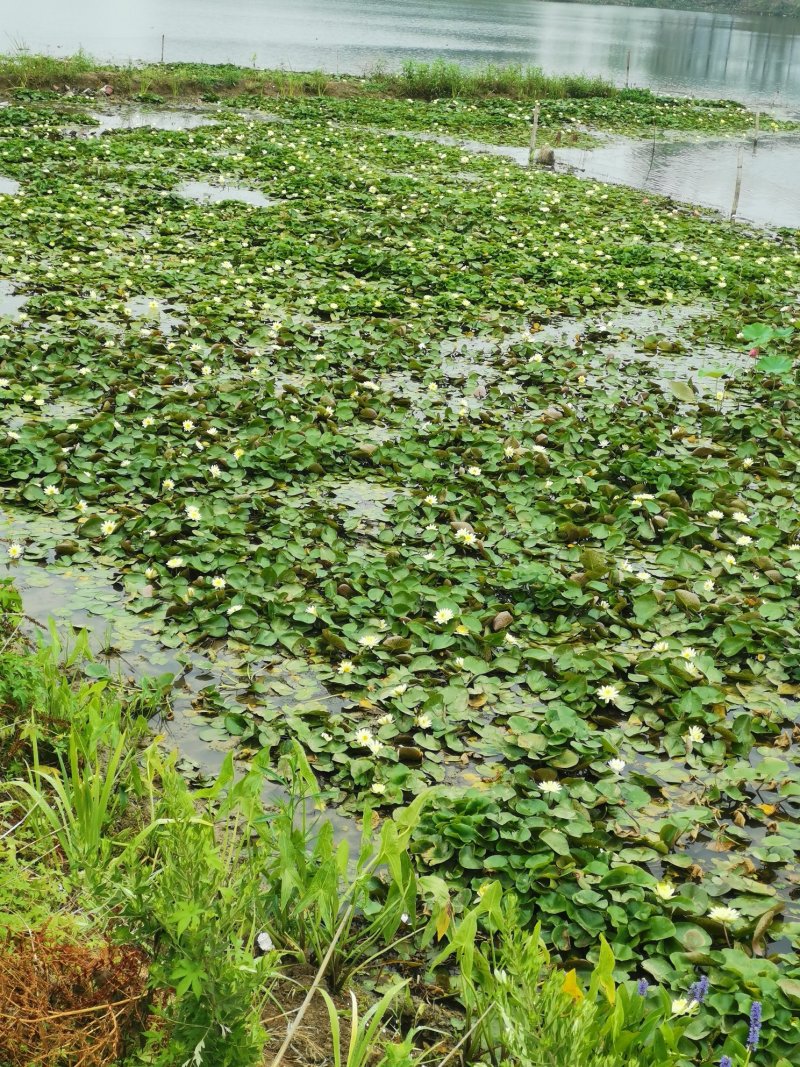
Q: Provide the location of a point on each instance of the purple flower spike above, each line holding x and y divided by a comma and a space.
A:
755, 1025
699, 989
642, 986
726, 1061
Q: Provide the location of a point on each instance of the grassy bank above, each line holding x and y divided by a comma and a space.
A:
147, 925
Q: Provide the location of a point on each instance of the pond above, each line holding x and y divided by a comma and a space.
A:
745, 57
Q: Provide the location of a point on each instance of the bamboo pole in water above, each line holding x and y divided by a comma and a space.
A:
738, 187
757, 124
162, 49
534, 131
628, 70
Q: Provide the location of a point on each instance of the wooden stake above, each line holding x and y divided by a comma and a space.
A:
628, 70
162, 49
534, 131
758, 123
738, 186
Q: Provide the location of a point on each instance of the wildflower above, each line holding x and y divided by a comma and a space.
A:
379, 788
369, 640
423, 721
218, 582
175, 562
107, 527
699, 989
443, 616
608, 693
550, 787
726, 1061
744, 540
345, 667
642, 986
665, 890
683, 1006
51, 490
264, 942
694, 735
193, 512
755, 1026
617, 765
723, 914
363, 737
14, 550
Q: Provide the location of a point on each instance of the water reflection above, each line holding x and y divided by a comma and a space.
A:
747, 57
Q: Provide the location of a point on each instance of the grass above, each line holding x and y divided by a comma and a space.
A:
423, 81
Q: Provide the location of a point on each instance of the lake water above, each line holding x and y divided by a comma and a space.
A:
756, 59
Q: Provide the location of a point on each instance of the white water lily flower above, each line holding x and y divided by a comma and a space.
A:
430, 499
345, 667
688, 653
747, 462
617, 765
107, 527
399, 689
694, 735
168, 484
192, 512
378, 788
708, 585
466, 537
723, 914
82, 507
474, 471
14, 550
369, 640
234, 608
218, 582
150, 573
51, 490
739, 516
175, 562
665, 890
661, 646
716, 515
147, 421
550, 787
729, 559
386, 720
363, 737
443, 616
608, 693
423, 721
188, 425
744, 540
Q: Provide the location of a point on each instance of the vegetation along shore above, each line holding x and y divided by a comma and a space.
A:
474, 487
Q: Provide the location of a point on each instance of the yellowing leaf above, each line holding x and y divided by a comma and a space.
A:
443, 922
768, 809
570, 986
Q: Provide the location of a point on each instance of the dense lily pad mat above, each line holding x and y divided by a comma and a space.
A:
553, 568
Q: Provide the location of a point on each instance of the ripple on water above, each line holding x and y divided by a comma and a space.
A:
207, 193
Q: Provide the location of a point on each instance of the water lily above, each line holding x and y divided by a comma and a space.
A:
175, 562
443, 616
108, 526
218, 582
346, 667
192, 512
723, 914
369, 640
617, 765
608, 693
379, 788
694, 735
14, 550
665, 890
549, 786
